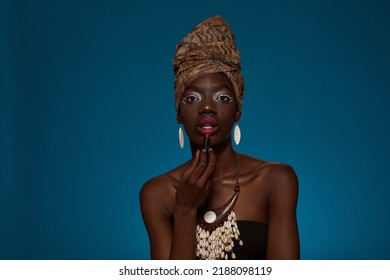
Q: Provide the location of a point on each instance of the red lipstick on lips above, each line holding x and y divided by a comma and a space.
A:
207, 125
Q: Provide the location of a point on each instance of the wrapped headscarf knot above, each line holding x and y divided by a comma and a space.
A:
209, 48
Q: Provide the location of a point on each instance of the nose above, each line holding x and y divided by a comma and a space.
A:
207, 106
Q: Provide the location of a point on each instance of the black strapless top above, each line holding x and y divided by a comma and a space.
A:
254, 236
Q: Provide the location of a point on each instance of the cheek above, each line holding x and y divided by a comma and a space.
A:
228, 113
187, 116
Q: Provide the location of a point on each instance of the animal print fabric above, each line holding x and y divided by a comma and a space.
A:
209, 48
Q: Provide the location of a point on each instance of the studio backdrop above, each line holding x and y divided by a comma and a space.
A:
87, 116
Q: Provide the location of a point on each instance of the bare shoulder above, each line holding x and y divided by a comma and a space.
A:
256, 164
282, 182
281, 173
276, 175
161, 189
157, 185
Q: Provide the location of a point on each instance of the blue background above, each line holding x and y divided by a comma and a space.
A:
87, 116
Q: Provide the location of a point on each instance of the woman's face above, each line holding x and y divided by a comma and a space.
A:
208, 105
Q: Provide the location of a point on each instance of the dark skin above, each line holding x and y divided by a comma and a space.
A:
268, 191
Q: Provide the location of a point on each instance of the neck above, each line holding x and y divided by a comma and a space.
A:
226, 164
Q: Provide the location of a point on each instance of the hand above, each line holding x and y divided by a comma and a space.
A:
194, 184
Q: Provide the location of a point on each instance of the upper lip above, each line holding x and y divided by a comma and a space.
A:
207, 121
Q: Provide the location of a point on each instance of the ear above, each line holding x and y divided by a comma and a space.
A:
237, 115
179, 118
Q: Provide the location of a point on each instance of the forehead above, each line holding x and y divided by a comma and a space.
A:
215, 80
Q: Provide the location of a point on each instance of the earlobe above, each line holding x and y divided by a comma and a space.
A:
237, 115
179, 118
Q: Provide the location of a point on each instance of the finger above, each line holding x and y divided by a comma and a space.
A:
209, 170
201, 165
193, 164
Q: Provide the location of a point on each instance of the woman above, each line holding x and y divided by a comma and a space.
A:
220, 204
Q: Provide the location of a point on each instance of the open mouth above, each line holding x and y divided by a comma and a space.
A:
207, 125
207, 130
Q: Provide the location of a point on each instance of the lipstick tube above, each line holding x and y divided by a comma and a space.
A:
206, 141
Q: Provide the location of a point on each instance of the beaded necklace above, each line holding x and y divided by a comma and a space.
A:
216, 229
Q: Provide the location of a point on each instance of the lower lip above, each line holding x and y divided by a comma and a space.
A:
211, 131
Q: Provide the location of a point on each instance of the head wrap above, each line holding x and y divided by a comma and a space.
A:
209, 48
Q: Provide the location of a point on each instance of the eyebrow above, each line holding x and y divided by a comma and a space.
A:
216, 88
223, 87
226, 88
195, 88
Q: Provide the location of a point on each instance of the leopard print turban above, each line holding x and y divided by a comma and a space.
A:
209, 48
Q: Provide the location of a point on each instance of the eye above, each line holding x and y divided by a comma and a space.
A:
190, 99
224, 98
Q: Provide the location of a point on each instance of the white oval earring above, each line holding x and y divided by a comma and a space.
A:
181, 137
237, 134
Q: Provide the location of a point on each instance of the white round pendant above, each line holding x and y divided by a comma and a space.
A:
210, 217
